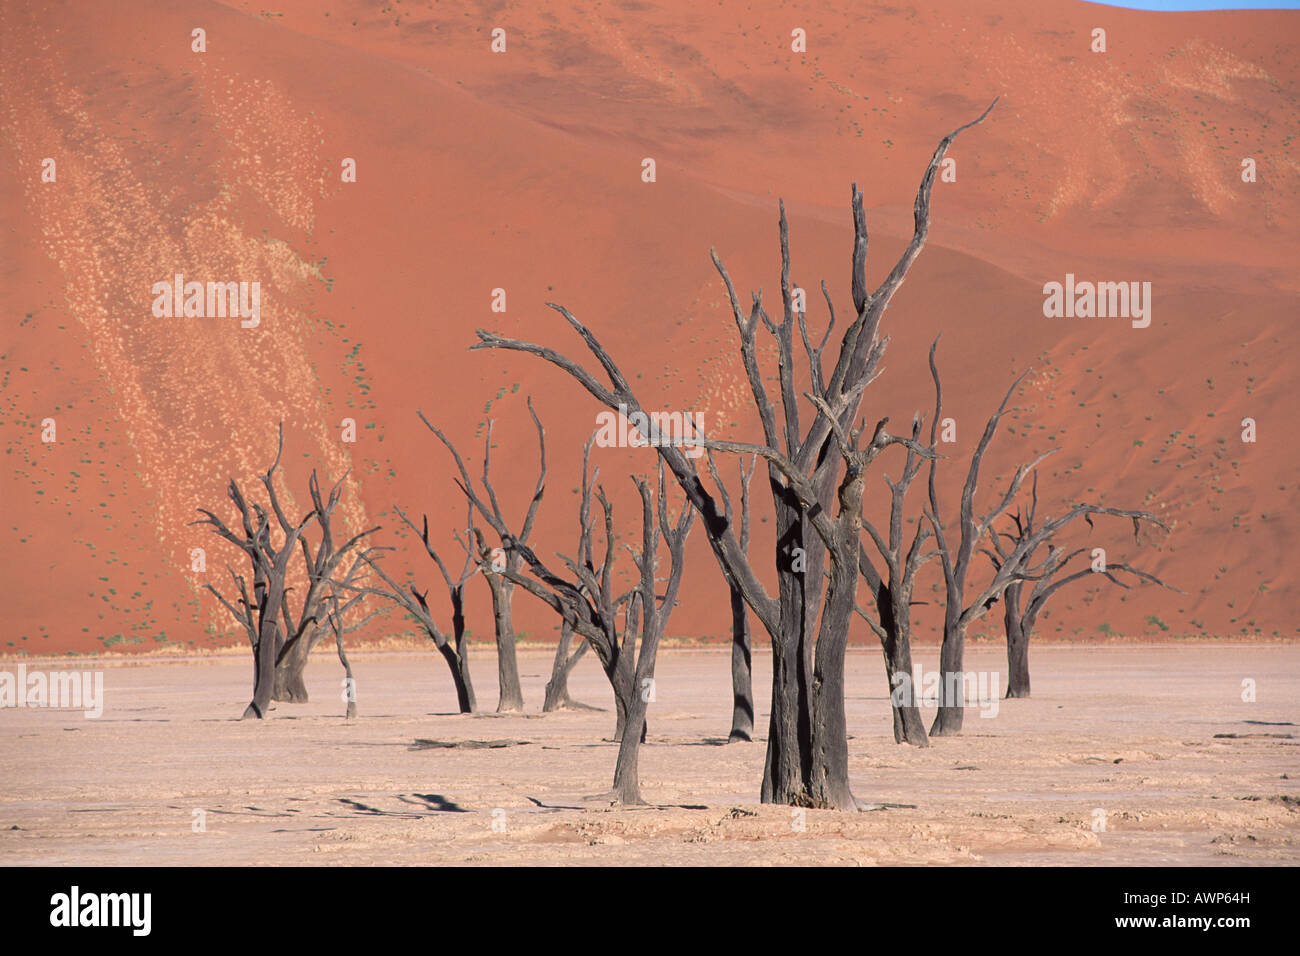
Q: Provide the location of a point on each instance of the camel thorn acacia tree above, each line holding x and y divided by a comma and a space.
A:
956, 557
794, 761
589, 604
1011, 563
303, 631
454, 648
892, 593
566, 656
840, 536
260, 614
282, 640
501, 585
1020, 612
338, 605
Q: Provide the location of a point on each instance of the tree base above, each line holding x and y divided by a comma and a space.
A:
616, 798
908, 727
947, 723
290, 688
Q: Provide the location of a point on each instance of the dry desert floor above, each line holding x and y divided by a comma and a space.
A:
1124, 755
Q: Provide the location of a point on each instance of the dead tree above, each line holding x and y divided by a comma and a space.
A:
557, 688
647, 617
892, 594
587, 601
342, 599
454, 649
1020, 614
349, 682
956, 561
260, 615
1011, 566
828, 774
790, 618
500, 583
742, 684
597, 611
302, 631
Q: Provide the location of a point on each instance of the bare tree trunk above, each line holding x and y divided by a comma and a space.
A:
303, 632
789, 735
742, 681
620, 710
1017, 662
557, 688
350, 684
627, 782
1017, 644
458, 659
742, 686
624, 707
511, 697
829, 783
829, 780
294, 655
290, 682
264, 684
908, 726
459, 668
952, 688
591, 607
806, 765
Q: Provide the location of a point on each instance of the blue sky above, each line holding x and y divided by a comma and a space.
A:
1204, 4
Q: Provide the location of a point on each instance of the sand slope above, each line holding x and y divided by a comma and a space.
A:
521, 171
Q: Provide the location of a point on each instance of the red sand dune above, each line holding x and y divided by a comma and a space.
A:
522, 171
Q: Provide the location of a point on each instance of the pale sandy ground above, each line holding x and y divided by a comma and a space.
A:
1131, 731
